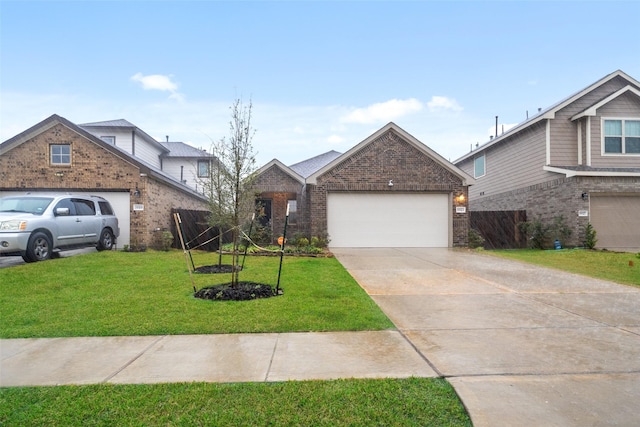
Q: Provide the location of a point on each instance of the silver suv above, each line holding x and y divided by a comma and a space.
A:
37, 227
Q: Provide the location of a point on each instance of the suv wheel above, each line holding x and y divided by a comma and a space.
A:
38, 248
106, 240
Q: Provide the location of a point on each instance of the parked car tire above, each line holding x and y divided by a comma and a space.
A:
106, 241
39, 247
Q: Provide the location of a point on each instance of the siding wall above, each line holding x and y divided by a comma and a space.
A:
513, 163
626, 106
172, 166
564, 132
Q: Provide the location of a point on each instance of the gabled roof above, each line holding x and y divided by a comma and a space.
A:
591, 111
55, 119
182, 150
307, 167
286, 169
124, 124
550, 112
466, 179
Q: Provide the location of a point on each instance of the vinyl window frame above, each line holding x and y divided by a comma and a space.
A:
476, 172
623, 136
60, 154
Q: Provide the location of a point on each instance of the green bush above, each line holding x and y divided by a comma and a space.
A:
475, 239
590, 237
537, 233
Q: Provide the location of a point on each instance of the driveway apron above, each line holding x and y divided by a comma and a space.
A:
522, 345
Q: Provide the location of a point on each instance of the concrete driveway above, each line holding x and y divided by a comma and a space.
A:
522, 345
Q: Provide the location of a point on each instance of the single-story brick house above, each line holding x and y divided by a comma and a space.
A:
579, 159
58, 156
390, 190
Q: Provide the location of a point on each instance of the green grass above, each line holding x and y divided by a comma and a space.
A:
620, 267
150, 293
413, 401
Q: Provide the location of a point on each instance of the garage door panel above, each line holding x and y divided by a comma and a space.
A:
616, 220
388, 220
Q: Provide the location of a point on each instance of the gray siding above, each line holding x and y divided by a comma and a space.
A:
626, 106
513, 163
564, 132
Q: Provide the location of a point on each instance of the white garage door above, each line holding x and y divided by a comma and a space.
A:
399, 220
119, 201
616, 220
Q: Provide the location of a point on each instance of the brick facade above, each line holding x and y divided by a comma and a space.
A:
562, 196
390, 157
27, 167
279, 187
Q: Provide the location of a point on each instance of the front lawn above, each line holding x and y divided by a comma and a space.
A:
150, 293
398, 402
620, 267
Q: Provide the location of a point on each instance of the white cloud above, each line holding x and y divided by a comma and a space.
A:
158, 82
335, 139
442, 103
383, 112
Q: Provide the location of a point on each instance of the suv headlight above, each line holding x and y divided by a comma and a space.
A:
13, 225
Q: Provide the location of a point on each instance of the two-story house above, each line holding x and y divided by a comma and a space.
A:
579, 159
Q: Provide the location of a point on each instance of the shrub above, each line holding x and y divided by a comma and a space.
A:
537, 233
590, 237
475, 239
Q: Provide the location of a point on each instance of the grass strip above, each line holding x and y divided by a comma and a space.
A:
392, 402
619, 267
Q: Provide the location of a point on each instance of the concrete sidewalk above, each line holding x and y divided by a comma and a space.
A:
211, 358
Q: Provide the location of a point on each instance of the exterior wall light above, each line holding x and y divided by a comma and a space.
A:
136, 192
460, 198
585, 196
390, 183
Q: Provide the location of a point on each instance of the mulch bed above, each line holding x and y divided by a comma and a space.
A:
243, 291
215, 269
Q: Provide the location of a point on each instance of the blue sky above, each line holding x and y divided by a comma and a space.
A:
321, 75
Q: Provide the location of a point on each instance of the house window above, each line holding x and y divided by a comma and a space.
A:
109, 139
203, 168
621, 136
478, 166
60, 154
293, 211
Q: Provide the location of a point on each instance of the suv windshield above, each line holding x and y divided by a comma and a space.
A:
34, 205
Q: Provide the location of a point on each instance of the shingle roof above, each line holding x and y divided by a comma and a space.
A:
180, 149
307, 167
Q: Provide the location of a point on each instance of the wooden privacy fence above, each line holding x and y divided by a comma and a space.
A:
500, 228
196, 229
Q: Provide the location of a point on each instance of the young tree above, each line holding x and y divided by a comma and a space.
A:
216, 189
230, 185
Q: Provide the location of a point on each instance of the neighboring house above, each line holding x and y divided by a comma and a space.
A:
579, 159
122, 164
181, 161
390, 190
